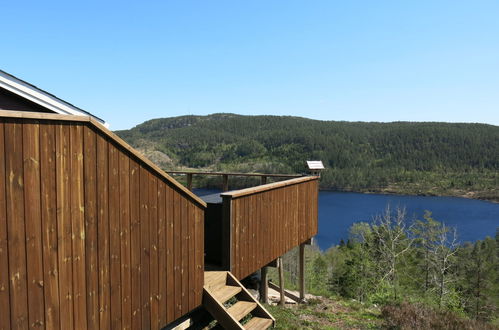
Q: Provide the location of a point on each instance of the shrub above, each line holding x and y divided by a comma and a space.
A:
414, 316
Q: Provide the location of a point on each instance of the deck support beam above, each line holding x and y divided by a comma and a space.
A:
264, 286
302, 272
282, 302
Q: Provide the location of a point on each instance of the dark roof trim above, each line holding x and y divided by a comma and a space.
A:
41, 97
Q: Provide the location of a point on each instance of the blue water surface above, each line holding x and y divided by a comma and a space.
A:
473, 219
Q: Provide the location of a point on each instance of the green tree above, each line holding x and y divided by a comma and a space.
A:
318, 280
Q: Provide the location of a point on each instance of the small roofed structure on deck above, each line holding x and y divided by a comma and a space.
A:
315, 167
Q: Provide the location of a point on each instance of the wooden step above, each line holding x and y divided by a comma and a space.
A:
220, 287
241, 309
225, 293
258, 323
215, 280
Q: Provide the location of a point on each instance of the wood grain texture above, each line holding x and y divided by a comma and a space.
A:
153, 248
64, 230
161, 252
185, 256
145, 291
4, 252
91, 248
114, 236
199, 241
170, 282
91, 236
78, 226
15, 225
31, 167
49, 225
103, 233
191, 270
135, 244
269, 186
20, 115
266, 223
126, 289
177, 254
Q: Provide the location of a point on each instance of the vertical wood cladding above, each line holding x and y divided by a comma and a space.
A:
267, 224
90, 235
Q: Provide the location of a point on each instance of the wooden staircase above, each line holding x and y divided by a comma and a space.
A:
231, 304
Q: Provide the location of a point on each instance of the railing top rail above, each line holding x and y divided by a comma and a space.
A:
237, 174
266, 187
97, 125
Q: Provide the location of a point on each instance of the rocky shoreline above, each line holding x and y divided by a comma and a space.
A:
488, 196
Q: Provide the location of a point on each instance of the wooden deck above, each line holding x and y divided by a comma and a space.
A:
247, 229
269, 220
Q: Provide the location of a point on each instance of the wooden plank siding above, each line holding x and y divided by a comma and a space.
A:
91, 234
4, 254
16, 235
269, 220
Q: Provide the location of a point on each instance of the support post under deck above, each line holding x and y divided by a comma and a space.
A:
264, 286
302, 271
282, 302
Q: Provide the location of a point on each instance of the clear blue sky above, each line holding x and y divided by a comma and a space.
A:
425, 60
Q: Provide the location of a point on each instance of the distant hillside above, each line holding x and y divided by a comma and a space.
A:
400, 157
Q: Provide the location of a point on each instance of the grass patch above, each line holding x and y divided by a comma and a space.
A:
324, 313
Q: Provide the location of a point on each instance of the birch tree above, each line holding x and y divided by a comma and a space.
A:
390, 244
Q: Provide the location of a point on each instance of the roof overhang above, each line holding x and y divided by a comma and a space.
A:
41, 97
315, 165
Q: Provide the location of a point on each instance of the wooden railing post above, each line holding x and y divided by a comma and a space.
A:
189, 181
225, 186
263, 179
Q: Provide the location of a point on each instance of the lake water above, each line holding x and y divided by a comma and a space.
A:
473, 219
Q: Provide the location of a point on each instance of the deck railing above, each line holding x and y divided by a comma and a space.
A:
269, 220
225, 176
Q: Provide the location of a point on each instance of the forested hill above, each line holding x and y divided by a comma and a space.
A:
404, 157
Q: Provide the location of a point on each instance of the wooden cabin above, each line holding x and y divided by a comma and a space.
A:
93, 235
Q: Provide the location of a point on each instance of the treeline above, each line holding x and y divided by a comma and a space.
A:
392, 260
402, 156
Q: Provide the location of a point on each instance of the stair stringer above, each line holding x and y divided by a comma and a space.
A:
219, 312
259, 311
